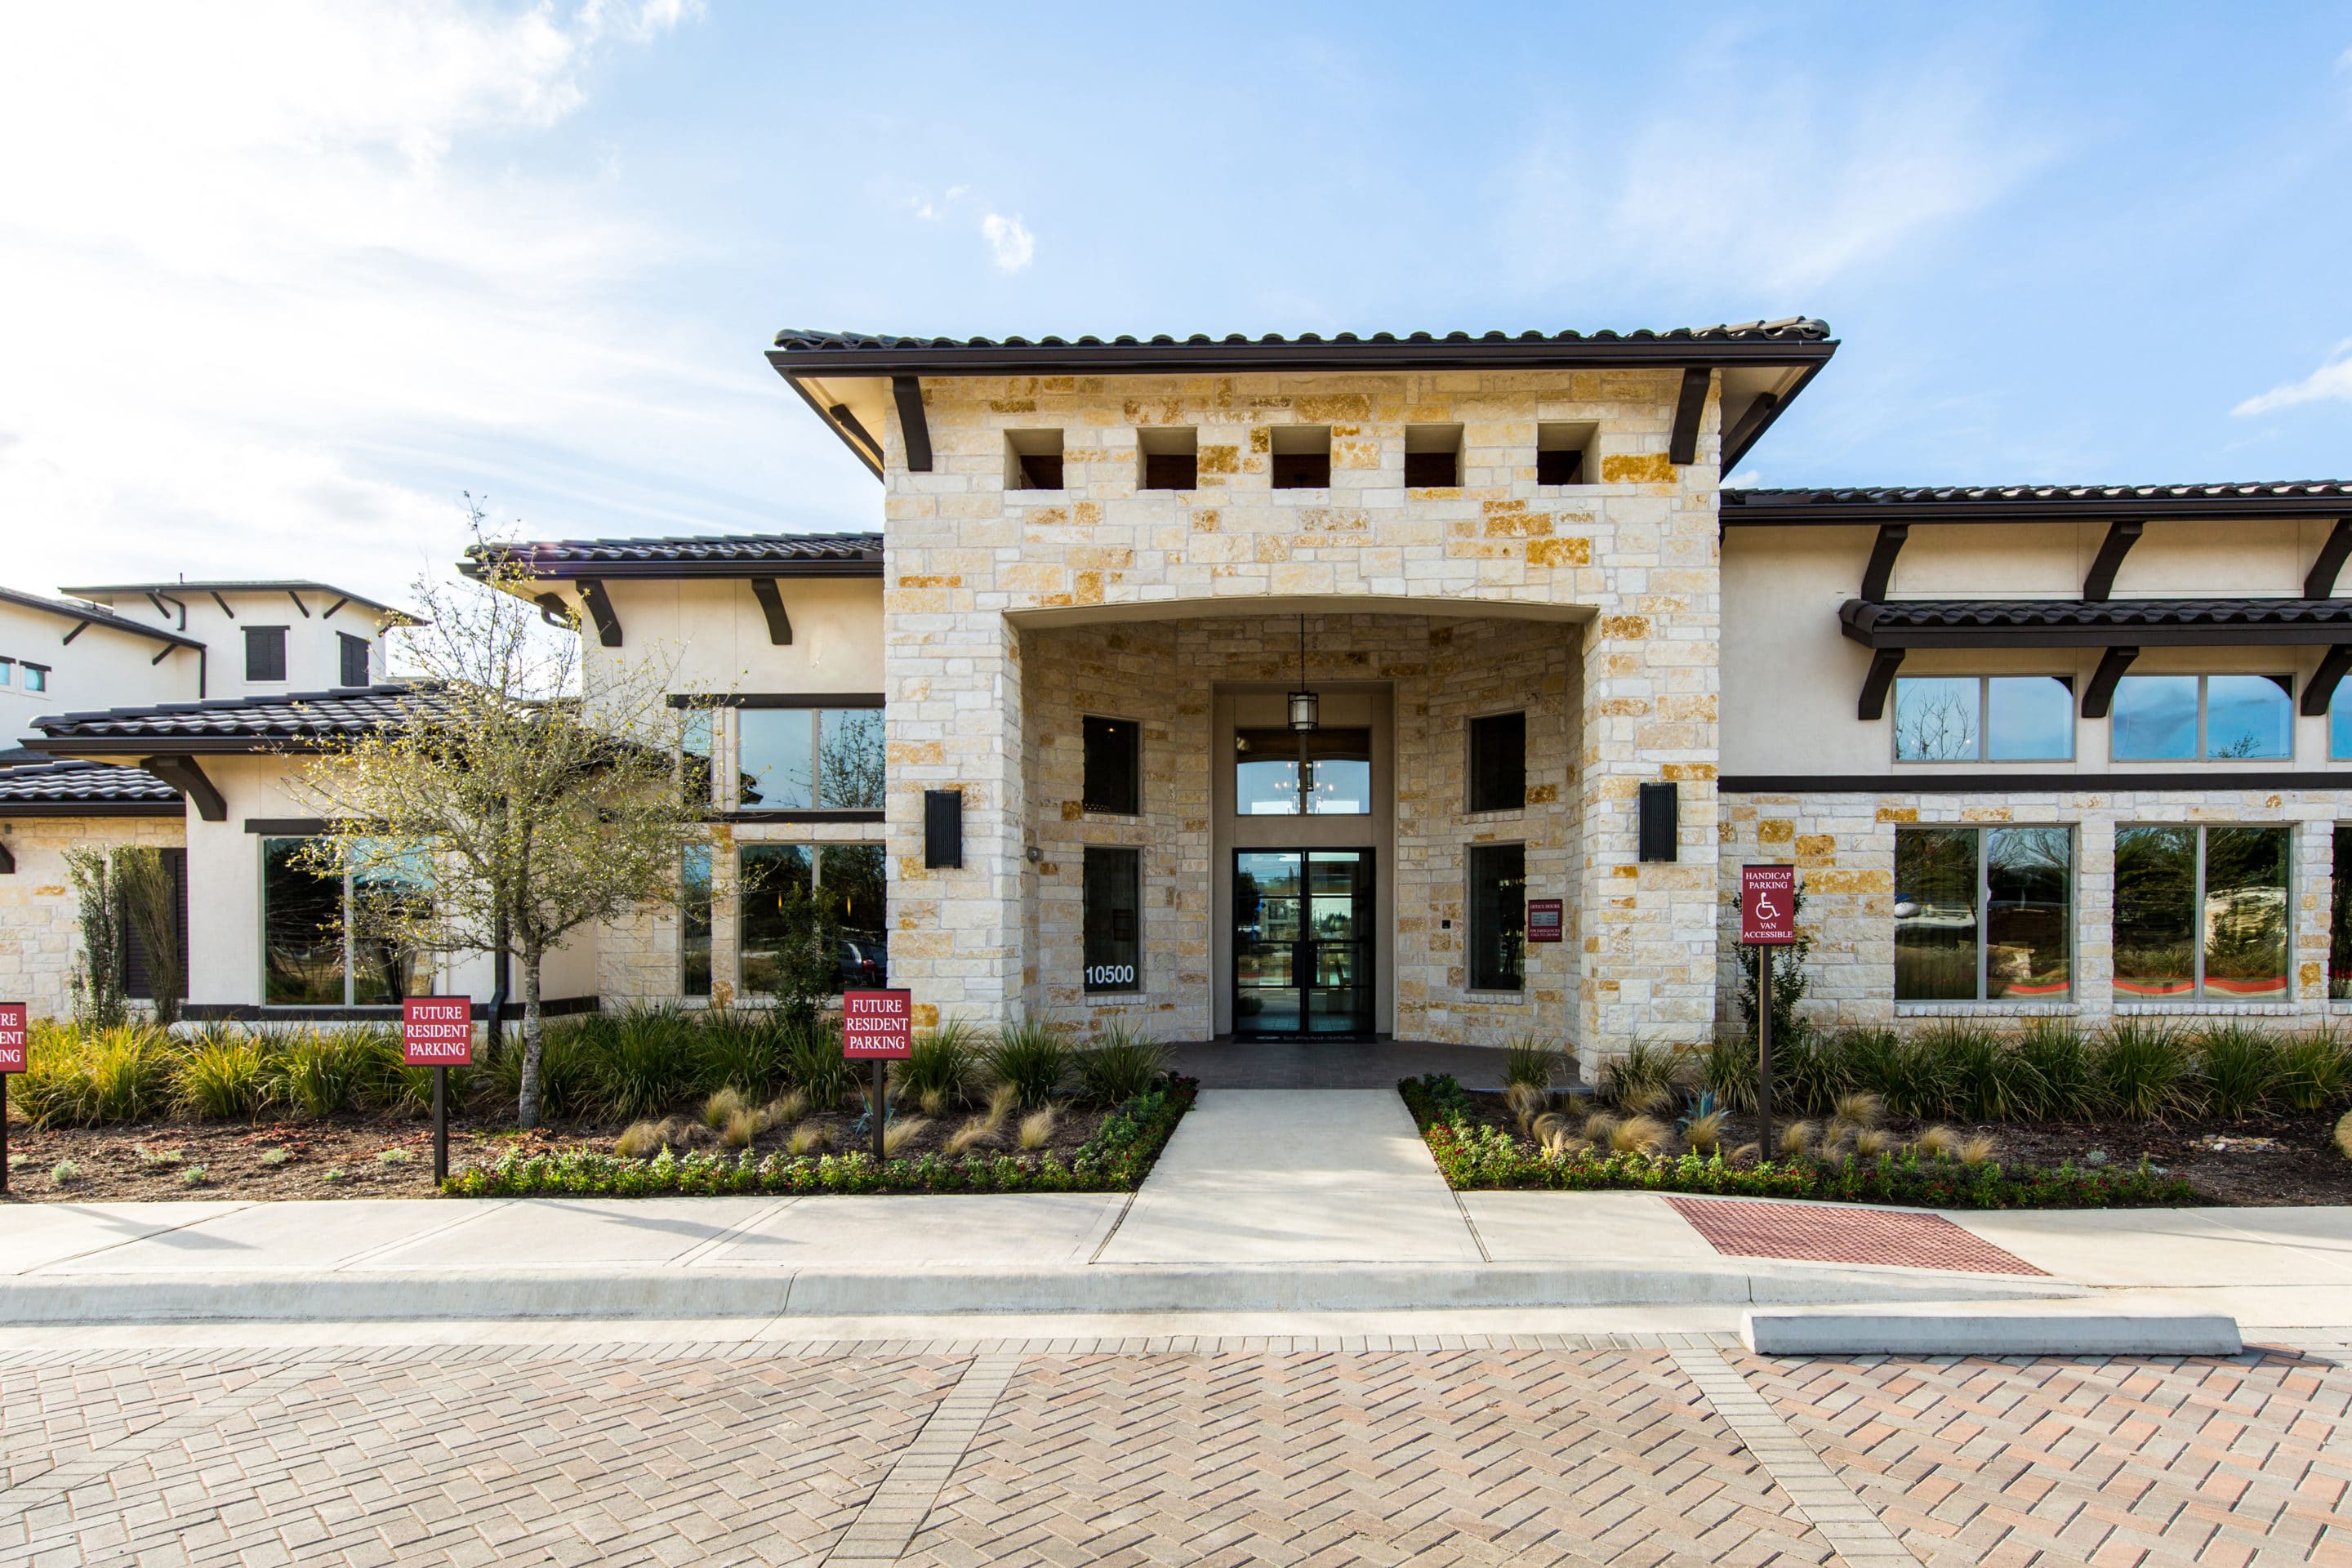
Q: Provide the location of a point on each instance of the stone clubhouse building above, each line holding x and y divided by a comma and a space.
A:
1425, 687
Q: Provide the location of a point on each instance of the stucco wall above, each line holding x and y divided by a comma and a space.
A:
40, 917
101, 668
1632, 558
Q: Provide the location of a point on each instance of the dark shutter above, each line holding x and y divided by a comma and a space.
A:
138, 979
355, 658
265, 653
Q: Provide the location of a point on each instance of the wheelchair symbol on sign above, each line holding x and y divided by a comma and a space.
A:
1766, 909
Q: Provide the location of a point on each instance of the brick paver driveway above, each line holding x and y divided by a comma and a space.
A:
1555, 1451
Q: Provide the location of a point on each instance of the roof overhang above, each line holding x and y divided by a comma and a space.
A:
853, 382
2073, 623
87, 615
547, 567
2034, 503
393, 615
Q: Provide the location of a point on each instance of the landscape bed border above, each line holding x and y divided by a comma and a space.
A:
1475, 1157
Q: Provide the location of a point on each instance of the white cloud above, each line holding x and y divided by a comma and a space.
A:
260, 261
1745, 479
2331, 383
931, 210
1010, 238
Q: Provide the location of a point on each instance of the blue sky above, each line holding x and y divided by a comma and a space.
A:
284, 280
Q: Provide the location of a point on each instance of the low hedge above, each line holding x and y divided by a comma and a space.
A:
1476, 1157
1115, 1160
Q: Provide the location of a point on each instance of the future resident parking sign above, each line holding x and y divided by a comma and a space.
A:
878, 1025
11, 1036
437, 1031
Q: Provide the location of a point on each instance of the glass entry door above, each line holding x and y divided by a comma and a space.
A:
1302, 942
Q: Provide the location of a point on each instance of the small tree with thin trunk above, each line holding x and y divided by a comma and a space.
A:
517, 785
98, 1001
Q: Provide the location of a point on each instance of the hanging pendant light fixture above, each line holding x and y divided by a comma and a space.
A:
1303, 704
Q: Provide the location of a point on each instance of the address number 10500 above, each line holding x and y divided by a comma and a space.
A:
1110, 974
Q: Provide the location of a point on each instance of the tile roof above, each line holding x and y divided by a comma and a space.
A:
800, 352
1924, 623
228, 724
73, 781
68, 610
709, 555
1879, 502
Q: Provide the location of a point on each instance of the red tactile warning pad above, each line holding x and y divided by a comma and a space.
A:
1829, 1233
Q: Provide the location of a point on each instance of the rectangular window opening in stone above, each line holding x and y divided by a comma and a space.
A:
1984, 914
809, 758
1498, 916
1033, 460
1112, 919
1560, 448
2339, 920
1499, 762
353, 654
1433, 456
1171, 458
1113, 764
1301, 456
1977, 718
844, 880
2202, 914
694, 921
2203, 718
265, 653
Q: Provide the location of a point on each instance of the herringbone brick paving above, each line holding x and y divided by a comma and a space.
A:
1567, 1449
2020, 1462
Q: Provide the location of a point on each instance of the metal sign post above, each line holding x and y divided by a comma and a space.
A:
877, 1027
438, 1032
12, 1060
1768, 921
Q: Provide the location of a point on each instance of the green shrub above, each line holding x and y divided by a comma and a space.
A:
1646, 1078
1982, 1078
742, 1050
942, 1062
221, 1076
568, 1050
1121, 1065
2239, 1063
2143, 1068
1032, 1058
1726, 1069
2060, 1079
320, 1072
813, 1059
645, 1063
2314, 1069
1533, 1061
407, 1090
1806, 1073
85, 1077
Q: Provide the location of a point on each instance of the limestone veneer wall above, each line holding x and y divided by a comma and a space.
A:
1843, 845
40, 919
1632, 557
1441, 673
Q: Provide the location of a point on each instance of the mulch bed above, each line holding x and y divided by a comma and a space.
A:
229, 1155
2260, 1162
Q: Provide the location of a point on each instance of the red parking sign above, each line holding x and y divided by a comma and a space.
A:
1768, 905
11, 1036
437, 1031
878, 1024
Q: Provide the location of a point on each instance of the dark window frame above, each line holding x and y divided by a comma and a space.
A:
1477, 800
1475, 911
1981, 892
2200, 919
346, 645
1098, 797
1117, 952
814, 713
252, 646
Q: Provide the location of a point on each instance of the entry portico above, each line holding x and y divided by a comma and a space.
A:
1133, 531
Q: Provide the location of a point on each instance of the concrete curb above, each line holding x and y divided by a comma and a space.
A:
727, 1292
1968, 1329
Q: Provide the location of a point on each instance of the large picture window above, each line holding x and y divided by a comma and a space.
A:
846, 880
1498, 916
1312, 772
2201, 914
1113, 919
1983, 914
2209, 718
810, 759
694, 921
1984, 718
315, 953
1499, 762
1114, 766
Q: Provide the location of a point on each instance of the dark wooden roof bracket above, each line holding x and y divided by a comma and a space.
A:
772, 605
2321, 582
1883, 663
554, 611
2320, 689
1682, 446
2121, 537
600, 610
1881, 569
908, 390
183, 774
2100, 695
